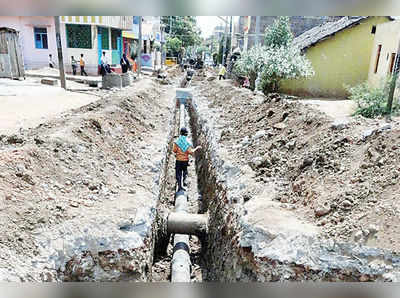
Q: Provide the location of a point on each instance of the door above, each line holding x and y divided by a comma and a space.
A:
12, 52
119, 47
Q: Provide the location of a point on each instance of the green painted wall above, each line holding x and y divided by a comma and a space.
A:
341, 59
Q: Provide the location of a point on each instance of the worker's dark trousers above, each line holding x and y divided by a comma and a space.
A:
181, 172
83, 72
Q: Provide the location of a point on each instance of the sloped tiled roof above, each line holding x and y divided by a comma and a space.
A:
321, 32
7, 29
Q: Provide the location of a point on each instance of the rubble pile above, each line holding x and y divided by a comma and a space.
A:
342, 175
83, 183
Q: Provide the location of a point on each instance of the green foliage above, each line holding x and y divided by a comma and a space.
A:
276, 61
173, 46
282, 63
250, 64
371, 101
279, 34
183, 28
202, 49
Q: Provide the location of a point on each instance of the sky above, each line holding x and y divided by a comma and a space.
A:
207, 24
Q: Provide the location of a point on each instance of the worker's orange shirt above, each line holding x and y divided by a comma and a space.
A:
182, 156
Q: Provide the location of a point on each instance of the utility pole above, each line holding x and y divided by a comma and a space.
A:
393, 82
140, 47
162, 46
246, 32
231, 34
257, 30
59, 51
225, 43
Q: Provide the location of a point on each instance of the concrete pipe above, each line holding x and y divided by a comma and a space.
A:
181, 265
181, 202
182, 116
185, 223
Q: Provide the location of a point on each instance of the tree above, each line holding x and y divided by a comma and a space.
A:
174, 46
250, 64
281, 63
183, 28
279, 59
279, 34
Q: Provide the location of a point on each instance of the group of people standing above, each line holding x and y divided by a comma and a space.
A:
74, 64
105, 67
82, 64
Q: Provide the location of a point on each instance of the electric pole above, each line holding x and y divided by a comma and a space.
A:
225, 43
231, 34
59, 51
393, 85
257, 30
140, 47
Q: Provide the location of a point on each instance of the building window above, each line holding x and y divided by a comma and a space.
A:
79, 36
114, 38
378, 55
373, 31
41, 38
392, 60
105, 41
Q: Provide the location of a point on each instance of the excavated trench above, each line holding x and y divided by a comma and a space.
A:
233, 249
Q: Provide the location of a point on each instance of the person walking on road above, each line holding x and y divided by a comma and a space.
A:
222, 72
104, 66
125, 64
182, 149
74, 65
82, 65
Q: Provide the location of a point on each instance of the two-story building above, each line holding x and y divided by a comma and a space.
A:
88, 35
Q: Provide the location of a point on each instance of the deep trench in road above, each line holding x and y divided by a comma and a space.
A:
129, 241
161, 268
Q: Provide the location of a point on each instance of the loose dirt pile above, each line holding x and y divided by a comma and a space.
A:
341, 175
93, 161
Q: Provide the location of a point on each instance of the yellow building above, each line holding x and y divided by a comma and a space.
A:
340, 53
384, 51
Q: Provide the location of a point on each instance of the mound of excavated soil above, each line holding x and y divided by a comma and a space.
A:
95, 161
340, 175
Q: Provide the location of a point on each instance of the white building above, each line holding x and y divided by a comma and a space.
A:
88, 35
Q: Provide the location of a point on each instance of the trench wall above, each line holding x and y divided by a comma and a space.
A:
238, 251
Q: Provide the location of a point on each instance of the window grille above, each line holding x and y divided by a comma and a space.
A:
105, 41
79, 36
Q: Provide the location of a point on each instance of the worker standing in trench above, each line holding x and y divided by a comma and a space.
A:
182, 149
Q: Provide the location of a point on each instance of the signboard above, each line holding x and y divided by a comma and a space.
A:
147, 60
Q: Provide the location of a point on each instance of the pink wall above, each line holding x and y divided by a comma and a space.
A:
38, 58
33, 58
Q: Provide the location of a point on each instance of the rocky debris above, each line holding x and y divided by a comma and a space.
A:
259, 134
15, 139
266, 242
354, 164
322, 210
340, 124
84, 164
369, 132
